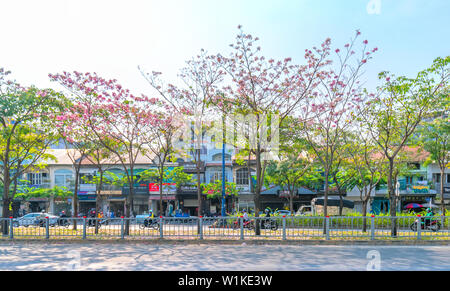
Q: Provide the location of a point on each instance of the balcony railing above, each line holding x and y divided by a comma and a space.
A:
408, 189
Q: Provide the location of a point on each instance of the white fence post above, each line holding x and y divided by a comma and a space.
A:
122, 228
84, 227
161, 233
11, 228
200, 227
47, 226
241, 223
372, 227
419, 227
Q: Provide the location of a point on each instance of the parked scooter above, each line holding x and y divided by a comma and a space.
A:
249, 224
91, 222
63, 222
433, 225
269, 224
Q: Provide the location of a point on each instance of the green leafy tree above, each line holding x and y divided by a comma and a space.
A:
290, 174
26, 132
368, 166
176, 175
434, 137
392, 117
55, 192
213, 191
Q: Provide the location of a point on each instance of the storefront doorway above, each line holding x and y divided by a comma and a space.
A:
117, 208
85, 207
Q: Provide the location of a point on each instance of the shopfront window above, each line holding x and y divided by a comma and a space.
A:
242, 177
217, 176
63, 178
37, 178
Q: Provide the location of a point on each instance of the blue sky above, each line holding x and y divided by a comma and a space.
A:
113, 37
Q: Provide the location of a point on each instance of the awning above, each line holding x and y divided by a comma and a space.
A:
334, 201
277, 190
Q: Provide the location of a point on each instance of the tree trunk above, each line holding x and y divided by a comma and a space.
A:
291, 203
97, 200
199, 190
129, 208
392, 198
257, 191
341, 202
364, 213
325, 200
161, 174
5, 208
442, 196
442, 190
75, 197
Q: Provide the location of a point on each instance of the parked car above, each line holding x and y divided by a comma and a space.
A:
31, 219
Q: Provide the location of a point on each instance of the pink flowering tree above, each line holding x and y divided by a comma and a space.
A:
190, 101
262, 93
82, 145
329, 112
160, 136
114, 116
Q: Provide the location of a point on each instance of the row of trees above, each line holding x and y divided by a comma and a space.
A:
306, 115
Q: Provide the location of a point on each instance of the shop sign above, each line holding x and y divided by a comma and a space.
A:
167, 187
86, 196
420, 189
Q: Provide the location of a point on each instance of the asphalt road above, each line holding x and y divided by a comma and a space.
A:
214, 257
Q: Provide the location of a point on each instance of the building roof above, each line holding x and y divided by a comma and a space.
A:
409, 153
66, 157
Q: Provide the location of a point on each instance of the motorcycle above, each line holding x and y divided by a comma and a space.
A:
63, 222
433, 225
91, 222
249, 224
269, 224
149, 223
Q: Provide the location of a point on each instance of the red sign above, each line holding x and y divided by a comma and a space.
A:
154, 187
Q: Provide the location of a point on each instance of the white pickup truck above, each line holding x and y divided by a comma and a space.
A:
305, 210
316, 207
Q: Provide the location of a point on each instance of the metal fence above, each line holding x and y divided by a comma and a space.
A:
232, 228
